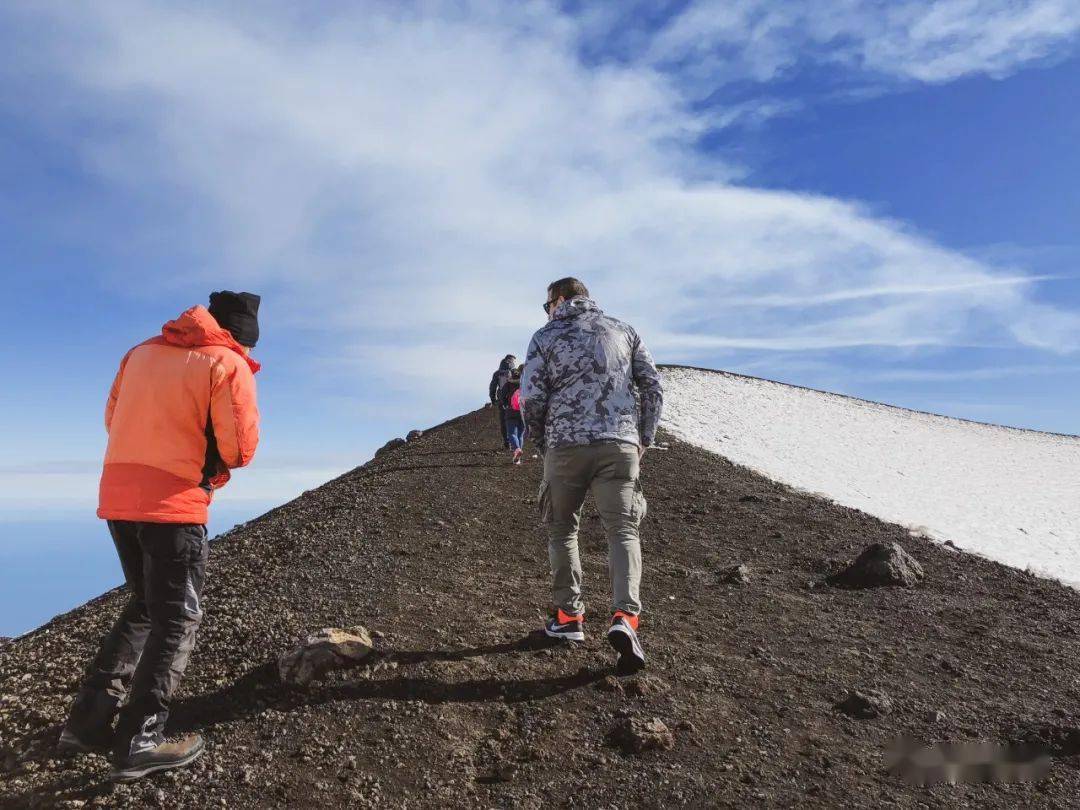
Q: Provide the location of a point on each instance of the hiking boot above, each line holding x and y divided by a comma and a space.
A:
517, 456
72, 743
567, 626
148, 756
622, 635
88, 729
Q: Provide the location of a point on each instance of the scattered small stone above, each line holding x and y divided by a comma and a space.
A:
751, 499
865, 704
936, 716
330, 648
610, 684
635, 735
952, 666
645, 685
880, 564
736, 574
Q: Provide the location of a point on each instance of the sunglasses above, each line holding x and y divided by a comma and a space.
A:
548, 305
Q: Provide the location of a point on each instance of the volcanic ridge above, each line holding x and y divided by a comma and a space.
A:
771, 680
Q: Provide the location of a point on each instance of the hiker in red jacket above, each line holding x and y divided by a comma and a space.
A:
181, 413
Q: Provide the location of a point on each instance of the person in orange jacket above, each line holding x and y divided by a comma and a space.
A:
181, 413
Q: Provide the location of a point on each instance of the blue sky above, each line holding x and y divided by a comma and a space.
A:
873, 198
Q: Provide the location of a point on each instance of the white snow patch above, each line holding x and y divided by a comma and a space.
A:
1010, 495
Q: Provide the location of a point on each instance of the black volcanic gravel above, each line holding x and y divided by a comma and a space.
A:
435, 548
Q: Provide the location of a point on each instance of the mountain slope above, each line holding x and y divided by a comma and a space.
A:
435, 546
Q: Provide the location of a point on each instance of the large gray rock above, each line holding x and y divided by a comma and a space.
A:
330, 648
880, 565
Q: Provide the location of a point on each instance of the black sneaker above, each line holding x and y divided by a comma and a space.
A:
566, 626
147, 757
622, 635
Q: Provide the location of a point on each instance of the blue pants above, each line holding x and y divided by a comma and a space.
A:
515, 429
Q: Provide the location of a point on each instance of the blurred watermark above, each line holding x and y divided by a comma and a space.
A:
966, 762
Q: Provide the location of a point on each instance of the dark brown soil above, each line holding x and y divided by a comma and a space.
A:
435, 548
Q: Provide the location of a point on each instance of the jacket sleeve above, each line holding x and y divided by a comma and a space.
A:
234, 413
114, 393
493, 389
647, 379
535, 390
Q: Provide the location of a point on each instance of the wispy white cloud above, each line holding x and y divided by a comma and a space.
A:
858, 294
961, 375
922, 40
428, 169
43, 489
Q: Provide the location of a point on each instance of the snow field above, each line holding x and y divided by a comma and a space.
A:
1010, 495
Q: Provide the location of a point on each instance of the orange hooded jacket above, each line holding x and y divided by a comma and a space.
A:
180, 415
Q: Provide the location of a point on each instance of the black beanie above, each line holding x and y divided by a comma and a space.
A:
239, 313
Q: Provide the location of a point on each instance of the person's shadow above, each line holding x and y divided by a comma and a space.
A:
260, 689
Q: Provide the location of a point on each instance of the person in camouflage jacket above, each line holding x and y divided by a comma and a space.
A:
584, 375
592, 402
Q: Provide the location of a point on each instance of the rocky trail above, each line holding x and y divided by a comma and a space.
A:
434, 547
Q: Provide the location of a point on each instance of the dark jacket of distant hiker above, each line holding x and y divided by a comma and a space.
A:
500, 377
506, 399
584, 376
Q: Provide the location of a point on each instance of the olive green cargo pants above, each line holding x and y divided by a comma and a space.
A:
610, 471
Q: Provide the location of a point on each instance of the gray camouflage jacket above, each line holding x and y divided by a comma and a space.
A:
584, 376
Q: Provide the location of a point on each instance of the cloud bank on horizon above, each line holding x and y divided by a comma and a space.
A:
429, 167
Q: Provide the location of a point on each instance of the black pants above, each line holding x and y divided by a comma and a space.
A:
508, 419
500, 412
145, 654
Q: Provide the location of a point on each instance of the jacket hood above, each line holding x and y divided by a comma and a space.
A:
574, 307
196, 327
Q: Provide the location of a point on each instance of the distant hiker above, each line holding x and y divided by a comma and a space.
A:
510, 401
583, 378
180, 415
501, 375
